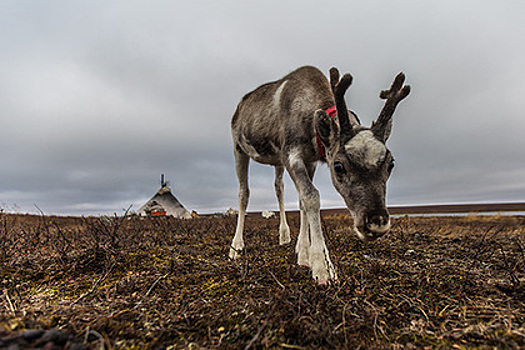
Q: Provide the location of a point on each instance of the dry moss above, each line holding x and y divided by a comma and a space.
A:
435, 282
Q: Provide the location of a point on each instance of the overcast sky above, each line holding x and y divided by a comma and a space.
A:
98, 98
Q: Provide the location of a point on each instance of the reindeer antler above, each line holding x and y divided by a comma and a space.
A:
397, 92
339, 87
334, 78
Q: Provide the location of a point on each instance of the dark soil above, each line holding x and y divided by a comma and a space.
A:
434, 282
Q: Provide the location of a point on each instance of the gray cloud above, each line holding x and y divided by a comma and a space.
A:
97, 99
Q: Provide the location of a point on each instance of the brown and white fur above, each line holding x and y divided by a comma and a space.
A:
277, 124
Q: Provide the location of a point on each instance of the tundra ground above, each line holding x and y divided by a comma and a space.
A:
433, 282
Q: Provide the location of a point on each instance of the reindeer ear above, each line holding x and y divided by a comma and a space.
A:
326, 128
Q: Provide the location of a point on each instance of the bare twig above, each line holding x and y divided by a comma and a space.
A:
510, 270
150, 289
44, 222
11, 307
101, 339
265, 323
97, 283
126, 211
290, 346
260, 266
276, 280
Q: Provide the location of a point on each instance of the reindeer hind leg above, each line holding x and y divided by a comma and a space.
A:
284, 229
242, 162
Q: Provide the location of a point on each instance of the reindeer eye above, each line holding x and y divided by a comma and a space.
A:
391, 165
339, 168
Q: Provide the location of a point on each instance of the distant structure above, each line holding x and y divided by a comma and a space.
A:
267, 214
231, 212
164, 203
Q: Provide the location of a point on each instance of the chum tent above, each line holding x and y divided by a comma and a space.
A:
164, 203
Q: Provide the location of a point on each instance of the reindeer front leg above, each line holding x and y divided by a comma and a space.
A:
319, 260
302, 247
303, 241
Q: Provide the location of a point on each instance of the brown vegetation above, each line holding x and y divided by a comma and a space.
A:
447, 282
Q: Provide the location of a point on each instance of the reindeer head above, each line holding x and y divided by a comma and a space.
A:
359, 161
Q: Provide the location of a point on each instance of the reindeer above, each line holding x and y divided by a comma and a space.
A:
300, 120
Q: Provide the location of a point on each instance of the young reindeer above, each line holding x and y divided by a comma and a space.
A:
300, 120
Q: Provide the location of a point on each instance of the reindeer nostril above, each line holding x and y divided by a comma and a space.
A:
375, 220
378, 224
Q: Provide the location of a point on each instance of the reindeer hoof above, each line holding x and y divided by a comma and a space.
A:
333, 282
235, 254
322, 269
326, 276
302, 259
284, 235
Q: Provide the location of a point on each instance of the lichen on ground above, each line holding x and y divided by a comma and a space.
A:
433, 282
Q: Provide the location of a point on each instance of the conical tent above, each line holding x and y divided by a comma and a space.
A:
164, 203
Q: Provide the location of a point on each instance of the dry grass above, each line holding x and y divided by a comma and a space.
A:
436, 282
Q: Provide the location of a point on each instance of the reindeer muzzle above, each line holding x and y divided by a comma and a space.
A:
373, 226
